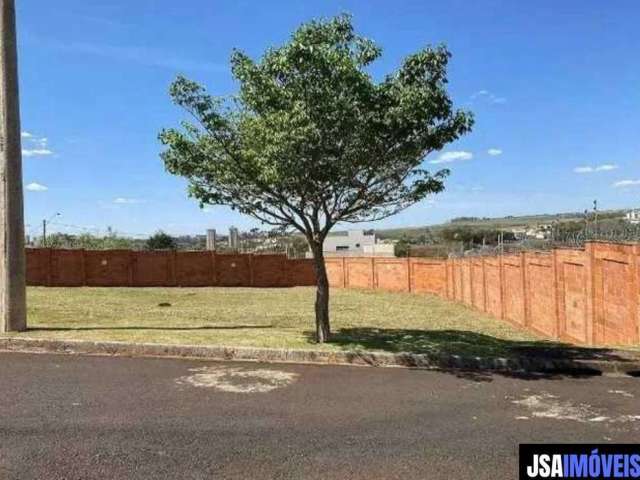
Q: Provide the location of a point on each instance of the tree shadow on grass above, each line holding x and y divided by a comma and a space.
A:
203, 327
442, 346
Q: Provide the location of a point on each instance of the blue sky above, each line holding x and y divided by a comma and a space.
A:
555, 87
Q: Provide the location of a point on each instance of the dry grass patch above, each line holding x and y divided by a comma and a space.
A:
276, 318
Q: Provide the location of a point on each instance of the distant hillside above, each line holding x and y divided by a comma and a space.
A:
494, 223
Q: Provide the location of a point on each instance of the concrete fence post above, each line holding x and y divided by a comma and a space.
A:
374, 283
635, 299
214, 268
83, 267
525, 290
502, 286
172, 265
484, 284
345, 273
454, 288
556, 292
251, 275
49, 267
133, 259
594, 329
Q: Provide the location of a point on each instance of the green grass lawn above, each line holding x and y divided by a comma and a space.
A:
276, 318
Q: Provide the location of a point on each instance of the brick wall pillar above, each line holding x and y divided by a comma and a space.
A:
594, 329
214, 269
501, 277
635, 309
172, 265
556, 292
131, 266
525, 289
49, 267
345, 279
409, 274
484, 284
83, 267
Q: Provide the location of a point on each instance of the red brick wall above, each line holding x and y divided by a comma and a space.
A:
336, 272
111, 268
392, 274
107, 268
428, 276
493, 286
153, 269
587, 296
513, 289
477, 283
359, 272
615, 292
66, 268
573, 286
301, 272
540, 293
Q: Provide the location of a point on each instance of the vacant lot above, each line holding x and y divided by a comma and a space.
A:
274, 318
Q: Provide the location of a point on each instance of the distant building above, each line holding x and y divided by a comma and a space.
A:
633, 217
234, 238
211, 239
349, 241
380, 250
354, 243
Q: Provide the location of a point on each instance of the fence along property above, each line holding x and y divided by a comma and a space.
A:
588, 296
127, 268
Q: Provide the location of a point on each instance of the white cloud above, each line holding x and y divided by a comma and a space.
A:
35, 146
494, 152
448, 157
126, 201
487, 96
36, 187
605, 167
626, 183
35, 152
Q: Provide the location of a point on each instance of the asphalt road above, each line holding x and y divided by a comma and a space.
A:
102, 418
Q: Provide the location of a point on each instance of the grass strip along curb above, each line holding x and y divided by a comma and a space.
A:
322, 357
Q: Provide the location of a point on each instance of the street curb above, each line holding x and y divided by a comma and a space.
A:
524, 364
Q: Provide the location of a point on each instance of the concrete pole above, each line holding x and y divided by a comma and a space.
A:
12, 256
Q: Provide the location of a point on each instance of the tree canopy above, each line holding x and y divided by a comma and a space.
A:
161, 241
312, 139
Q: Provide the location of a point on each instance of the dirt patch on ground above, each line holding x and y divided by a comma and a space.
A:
238, 379
545, 405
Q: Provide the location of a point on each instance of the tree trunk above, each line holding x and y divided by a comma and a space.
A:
323, 328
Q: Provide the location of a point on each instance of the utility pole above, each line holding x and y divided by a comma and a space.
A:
12, 256
44, 228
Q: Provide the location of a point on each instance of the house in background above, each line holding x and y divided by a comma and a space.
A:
633, 217
355, 243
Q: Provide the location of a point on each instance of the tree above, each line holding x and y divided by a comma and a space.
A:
312, 140
161, 241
